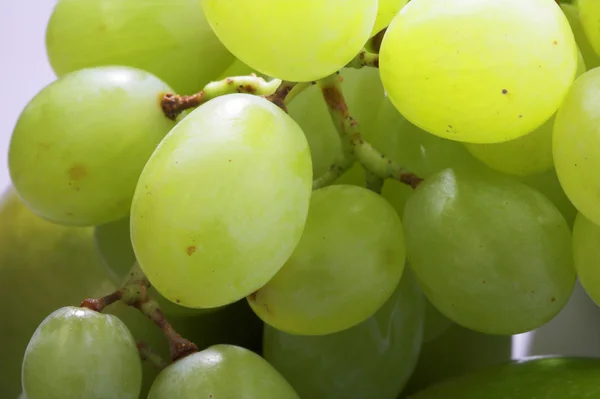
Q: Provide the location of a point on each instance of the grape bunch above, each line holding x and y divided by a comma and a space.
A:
312, 199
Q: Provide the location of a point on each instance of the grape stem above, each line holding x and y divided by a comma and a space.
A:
134, 293
374, 182
147, 354
355, 148
364, 59
174, 104
374, 43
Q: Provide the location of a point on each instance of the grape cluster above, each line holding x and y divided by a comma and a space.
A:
361, 177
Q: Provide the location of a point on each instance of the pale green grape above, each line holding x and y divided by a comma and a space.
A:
527, 155
490, 253
78, 353
347, 264
478, 71
114, 243
386, 11
586, 251
589, 14
292, 40
373, 359
592, 60
576, 142
221, 371
80, 145
222, 202
547, 183
169, 38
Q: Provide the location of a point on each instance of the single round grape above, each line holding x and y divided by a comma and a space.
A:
490, 253
592, 60
80, 145
169, 38
299, 41
222, 202
373, 359
386, 11
221, 371
346, 266
576, 145
478, 71
79, 353
586, 252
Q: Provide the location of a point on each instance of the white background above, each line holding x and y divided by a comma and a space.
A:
24, 70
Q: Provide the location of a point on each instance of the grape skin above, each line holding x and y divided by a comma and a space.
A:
222, 202
78, 353
386, 11
80, 145
346, 266
586, 252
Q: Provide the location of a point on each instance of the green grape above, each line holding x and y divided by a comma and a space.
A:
299, 41
586, 252
589, 11
169, 38
535, 377
221, 371
347, 264
498, 77
527, 155
490, 253
386, 11
436, 323
222, 202
455, 352
373, 359
575, 145
114, 243
592, 60
79, 353
80, 145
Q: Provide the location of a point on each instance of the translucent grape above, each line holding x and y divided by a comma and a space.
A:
491, 254
169, 38
590, 57
386, 11
221, 371
576, 142
347, 264
586, 252
222, 202
80, 145
373, 359
297, 40
78, 353
478, 71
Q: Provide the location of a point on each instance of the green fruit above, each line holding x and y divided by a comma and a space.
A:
539, 378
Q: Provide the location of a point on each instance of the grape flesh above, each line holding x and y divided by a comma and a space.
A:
373, 359
299, 41
575, 145
508, 62
386, 11
346, 266
80, 145
586, 252
222, 202
491, 254
168, 38
221, 371
592, 60
78, 353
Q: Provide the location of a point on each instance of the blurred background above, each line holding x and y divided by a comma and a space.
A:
24, 70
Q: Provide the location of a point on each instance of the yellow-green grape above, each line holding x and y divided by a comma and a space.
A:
586, 252
373, 359
576, 142
527, 155
547, 183
592, 60
346, 266
478, 71
222, 202
299, 41
589, 14
386, 11
169, 38
490, 253
80, 145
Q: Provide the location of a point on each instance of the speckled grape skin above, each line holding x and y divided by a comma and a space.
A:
222, 202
